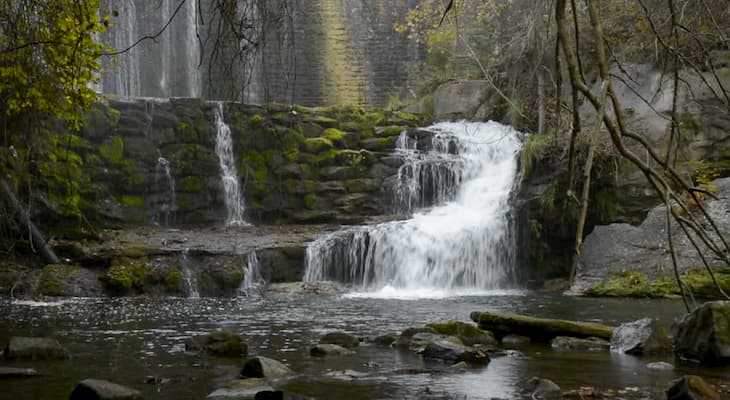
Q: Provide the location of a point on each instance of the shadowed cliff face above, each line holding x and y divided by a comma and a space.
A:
323, 52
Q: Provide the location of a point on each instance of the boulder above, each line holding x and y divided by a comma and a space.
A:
420, 340
343, 339
97, 389
386, 339
691, 387
35, 348
515, 340
540, 329
9, 372
262, 367
240, 389
469, 334
704, 334
544, 389
645, 336
404, 340
219, 343
322, 350
575, 344
451, 353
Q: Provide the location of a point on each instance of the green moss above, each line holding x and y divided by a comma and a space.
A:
280, 116
309, 200
325, 158
127, 274
394, 130
131, 201
256, 119
52, 279
637, 284
333, 134
326, 121
113, 114
112, 150
534, 149
291, 154
467, 333
191, 184
317, 145
187, 133
411, 118
173, 279
260, 174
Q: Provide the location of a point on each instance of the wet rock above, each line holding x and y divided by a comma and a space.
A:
262, 367
575, 344
387, 339
35, 348
97, 389
691, 387
704, 334
515, 340
469, 334
220, 343
346, 375
420, 340
343, 339
9, 372
645, 336
451, 353
405, 337
541, 329
299, 290
322, 350
660, 366
544, 389
279, 395
240, 389
459, 366
69, 281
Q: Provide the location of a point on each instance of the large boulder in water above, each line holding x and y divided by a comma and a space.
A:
262, 367
328, 349
35, 348
704, 334
469, 334
540, 329
451, 353
343, 339
645, 336
97, 389
220, 343
691, 387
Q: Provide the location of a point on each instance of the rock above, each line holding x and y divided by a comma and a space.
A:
691, 387
298, 290
469, 334
97, 389
540, 329
515, 340
279, 395
220, 343
405, 337
660, 366
9, 372
343, 339
387, 339
240, 389
262, 367
322, 350
460, 365
451, 353
544, 389
576, 344
645, 336
459, 99
35, 348
704, 334
346, 375
420, 340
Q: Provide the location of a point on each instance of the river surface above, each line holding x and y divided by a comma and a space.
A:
126, 340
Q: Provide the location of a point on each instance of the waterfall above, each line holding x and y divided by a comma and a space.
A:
168, 205
462, 245
229, 173
252, 278
191, 282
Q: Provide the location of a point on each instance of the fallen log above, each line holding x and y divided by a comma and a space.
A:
538, 329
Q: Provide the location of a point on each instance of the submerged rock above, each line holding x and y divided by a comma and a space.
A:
404, 340
298, 290
343, 339
35, 348
240, 389
576, 344
346, 375
220, 343
645, 336
544, 389
451, 353
325, 349
691, 387
262, 367
9, 372
515, 340
704, 334
541, 329
660, 366
469, 334
279, 395
387, 339
97, 389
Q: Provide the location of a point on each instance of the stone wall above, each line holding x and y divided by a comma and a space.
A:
296, 165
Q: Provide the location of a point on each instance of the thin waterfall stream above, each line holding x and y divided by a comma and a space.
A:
463, 245
229, 172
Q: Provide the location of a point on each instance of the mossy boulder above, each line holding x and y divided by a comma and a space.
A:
538, 329
317, 145
638, 284
343, 339
222, 342
127, 275
704, 334
69, 280
469, 334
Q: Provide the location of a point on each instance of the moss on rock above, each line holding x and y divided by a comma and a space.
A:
317, 145
112, 150
637, 284
127, 274
469, 334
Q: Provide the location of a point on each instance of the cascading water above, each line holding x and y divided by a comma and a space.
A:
463, 245
168, 205
229, 172
252, 278
191, 283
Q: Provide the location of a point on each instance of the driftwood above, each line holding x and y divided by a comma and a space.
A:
538, 329
23, 219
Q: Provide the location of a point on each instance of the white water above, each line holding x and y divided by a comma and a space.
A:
463, 246
191, 282
229, 172
168, 205
252, 279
